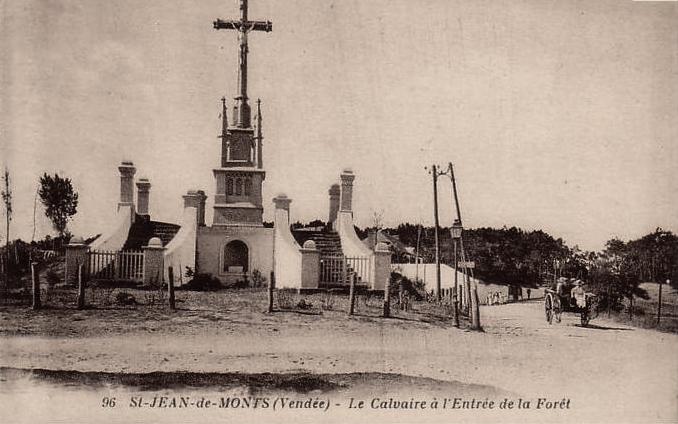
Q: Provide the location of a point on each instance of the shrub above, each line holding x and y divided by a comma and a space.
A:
258, 280
285, 298
303, 304
203, 282
327, 301
240, 284
124, 298
400, 283
52, 278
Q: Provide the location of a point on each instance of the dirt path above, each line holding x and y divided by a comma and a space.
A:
610, 372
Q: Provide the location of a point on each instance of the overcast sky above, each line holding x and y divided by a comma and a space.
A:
557, 115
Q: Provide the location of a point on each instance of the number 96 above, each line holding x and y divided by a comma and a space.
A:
108, 402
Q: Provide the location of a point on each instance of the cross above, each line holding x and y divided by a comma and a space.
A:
243, 26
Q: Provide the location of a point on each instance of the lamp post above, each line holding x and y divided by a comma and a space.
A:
456, 231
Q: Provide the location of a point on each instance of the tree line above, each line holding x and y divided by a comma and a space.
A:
513, 256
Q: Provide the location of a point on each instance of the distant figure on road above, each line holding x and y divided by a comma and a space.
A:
528, 293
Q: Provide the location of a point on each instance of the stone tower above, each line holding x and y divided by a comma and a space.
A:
238, 200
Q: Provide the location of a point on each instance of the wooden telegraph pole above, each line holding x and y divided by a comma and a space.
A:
437, 224
36, 286
81, 288
471, 296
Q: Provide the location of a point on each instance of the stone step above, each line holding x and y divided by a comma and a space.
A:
143, 229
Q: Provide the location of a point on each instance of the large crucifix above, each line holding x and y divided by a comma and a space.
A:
243, 26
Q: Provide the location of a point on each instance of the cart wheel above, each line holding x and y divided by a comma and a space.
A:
548, 308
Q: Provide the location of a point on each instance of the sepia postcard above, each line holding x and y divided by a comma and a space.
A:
398, 211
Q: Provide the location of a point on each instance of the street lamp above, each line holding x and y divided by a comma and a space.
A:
456, 231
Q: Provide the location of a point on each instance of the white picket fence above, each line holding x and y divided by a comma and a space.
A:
337, 269
116, 265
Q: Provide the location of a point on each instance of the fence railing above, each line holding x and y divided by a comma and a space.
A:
337, 269
332, 270
359, 265
116, 265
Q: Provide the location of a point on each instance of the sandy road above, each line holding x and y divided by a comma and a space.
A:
610, 372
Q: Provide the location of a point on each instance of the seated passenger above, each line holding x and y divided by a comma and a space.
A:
578, 294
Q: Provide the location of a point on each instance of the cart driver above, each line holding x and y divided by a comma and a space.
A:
560, 286
579, 294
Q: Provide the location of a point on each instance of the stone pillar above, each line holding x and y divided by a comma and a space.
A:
153, 262
196, 199
76, 254
143, 189
334, 192
347, 178
282, 209
310, 265
201, 209
382, 266
127, 171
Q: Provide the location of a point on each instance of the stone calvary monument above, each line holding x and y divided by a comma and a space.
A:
237, 245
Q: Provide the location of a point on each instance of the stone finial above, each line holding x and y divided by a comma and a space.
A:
155, 242
77, 240
346, 201
260, 137
309, 244
281, 201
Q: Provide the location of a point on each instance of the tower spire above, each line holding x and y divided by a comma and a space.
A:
241, 110
260, 137
224, 117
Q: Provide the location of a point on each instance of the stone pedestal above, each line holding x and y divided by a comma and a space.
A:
153, 262
310, 265
196, 199
346, 201
77, 253
334, 192
143, 192
127, 171
382, 267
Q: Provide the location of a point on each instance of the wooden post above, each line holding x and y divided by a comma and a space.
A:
455, 292
36, 286
170, 288
475, 311
609, 298
351, 295
271, 285
81, 288
659, 304
344, 269
387, 298
631, 307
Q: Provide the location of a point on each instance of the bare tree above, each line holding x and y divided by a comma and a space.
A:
378, 220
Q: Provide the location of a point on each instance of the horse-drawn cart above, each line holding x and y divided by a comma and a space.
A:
561, 299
